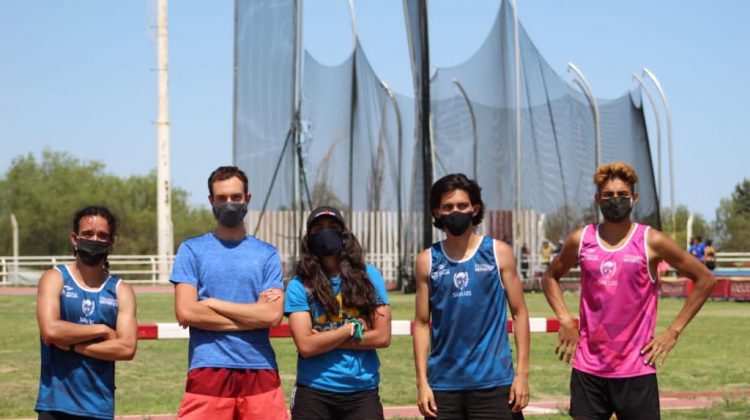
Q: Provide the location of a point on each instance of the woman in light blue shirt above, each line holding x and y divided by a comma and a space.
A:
338, 315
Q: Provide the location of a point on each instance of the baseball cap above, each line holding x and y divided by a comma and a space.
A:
324, 211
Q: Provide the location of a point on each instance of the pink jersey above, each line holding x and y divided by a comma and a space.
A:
618, 305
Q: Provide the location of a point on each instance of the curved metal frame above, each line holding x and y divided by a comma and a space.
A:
474, 138
585, 87
648, 73
658, 133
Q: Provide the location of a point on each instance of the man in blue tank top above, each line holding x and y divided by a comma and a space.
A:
228, 290
86, 321
461, 352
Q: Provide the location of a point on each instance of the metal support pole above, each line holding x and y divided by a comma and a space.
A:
648, 73
165, 236
517, 218
474, 139
15, 269
399, 183
353, 106
658, 135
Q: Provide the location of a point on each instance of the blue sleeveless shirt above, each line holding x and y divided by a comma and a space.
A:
470, 347
70, 382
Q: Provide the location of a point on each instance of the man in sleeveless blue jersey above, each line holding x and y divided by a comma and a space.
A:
461, 352
86, 321
228, 290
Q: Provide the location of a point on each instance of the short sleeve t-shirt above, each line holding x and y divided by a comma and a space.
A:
234, 271
338, 370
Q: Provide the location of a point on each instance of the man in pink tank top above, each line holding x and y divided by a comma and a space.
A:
613, 349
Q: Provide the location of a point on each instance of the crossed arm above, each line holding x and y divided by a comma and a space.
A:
312, 343
93, 340
219, 315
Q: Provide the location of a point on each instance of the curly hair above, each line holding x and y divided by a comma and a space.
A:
615, 170
97, 211
356, 289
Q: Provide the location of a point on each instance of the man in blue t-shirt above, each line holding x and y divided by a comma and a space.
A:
228, 290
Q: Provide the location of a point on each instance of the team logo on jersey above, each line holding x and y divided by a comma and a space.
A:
460, 281
87, 306
608, 268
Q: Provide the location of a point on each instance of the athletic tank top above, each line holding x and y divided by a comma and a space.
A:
70, 382
469, 334
618, 305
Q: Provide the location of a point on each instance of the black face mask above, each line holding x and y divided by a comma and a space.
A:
92, 253
457, 222
230, 214
327, 242
616, 209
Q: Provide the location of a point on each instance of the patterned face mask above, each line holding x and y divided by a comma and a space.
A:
616, 209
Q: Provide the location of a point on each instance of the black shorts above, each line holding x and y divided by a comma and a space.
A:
59, 415
313, 404
593, 397
490, 404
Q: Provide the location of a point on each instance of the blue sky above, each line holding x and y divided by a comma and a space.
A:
77, 76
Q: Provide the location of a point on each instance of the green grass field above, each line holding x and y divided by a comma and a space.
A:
712, 355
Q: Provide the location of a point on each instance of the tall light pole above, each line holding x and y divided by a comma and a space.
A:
658, 134
648, 73
14, 228
474, 139
353, 105
517, 218
165, 240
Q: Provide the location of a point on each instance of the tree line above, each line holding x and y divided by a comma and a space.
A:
43, 194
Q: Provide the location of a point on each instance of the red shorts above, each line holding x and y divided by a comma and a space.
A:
220, 393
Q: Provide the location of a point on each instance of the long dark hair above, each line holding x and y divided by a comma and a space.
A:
97, 211
356, 289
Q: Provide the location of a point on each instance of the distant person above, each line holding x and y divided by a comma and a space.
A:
525, 261
558, 248
709, 255
697, 249
614, 361
87, 321
228, 290
546, 253
462, 354
338, 315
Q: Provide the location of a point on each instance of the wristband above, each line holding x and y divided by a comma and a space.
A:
358, 330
